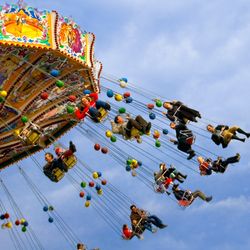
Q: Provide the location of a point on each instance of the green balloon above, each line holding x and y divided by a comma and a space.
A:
158, 103
129, 161
24, 229
51, 208
59, 83
113, 138
122, 110
70, 109
157, 143
83, 184
1, 99
24, 119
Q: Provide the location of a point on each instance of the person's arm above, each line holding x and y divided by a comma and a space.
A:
174, 141
170, 117
115, 127
221, 127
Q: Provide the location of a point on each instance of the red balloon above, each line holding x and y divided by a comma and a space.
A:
97, 147
91, 184
17, 222
104, 182
6, 216
126, 95
72, 98
44, 95
81, 194
150, 106
104, 150
156, 136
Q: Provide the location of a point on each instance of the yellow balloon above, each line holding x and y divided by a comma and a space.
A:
134, 162
8, 224
118, 97
108, 133
95, 175
22, 220
87, 204
3, 93
100, 192
17, 132
3, 226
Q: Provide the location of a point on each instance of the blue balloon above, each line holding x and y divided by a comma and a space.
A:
129, 99
50, 219
124, 79
139, 163
45, 208
2, 217
98, 187
25, 223
152, 116
86, 92
110, 93
55, 72
128, 168
99, 174
165, 131
88, 197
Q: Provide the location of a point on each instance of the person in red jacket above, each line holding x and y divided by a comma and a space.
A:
91, 105
205, 166
128, 234
87, 102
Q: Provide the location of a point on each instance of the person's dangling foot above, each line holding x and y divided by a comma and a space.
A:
72, 147
208, 199
148, 127
238, 157
162, 226
191, 155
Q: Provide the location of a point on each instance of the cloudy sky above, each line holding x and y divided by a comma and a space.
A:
194, 51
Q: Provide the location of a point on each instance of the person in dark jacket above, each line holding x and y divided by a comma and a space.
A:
184, 138
223, 134
141, 220
53, 163
220, 165
186, 196
178, 111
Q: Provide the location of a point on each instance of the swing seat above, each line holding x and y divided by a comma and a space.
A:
190, 140
103, 115
185, 202
135, 132
70, 161
57, 174
33, 137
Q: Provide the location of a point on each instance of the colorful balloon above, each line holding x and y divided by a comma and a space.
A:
59, 83
44, 95
110, 93
97, 147
95, 175
108, 133
118, 97
55, 72
104, 150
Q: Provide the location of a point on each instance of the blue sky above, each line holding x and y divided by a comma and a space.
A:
194, 51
